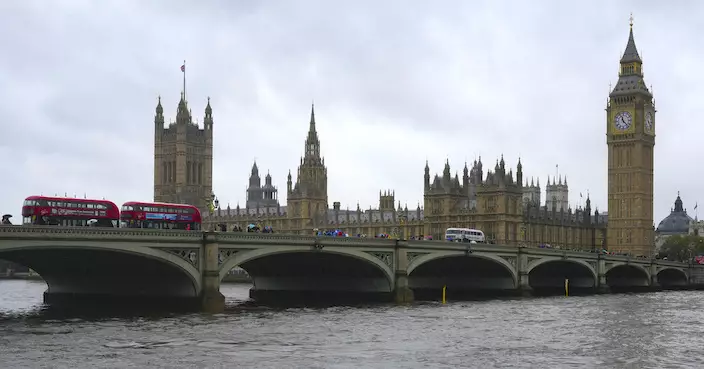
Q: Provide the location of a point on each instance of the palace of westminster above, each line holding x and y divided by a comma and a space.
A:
503, 203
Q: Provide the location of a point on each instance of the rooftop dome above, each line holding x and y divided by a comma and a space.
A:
677, 222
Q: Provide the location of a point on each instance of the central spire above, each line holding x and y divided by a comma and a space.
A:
311, 130
312, 149
630, 79
630, 55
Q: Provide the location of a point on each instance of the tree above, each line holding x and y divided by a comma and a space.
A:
682, 247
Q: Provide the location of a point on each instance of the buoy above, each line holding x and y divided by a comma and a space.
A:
567, 287
444, 290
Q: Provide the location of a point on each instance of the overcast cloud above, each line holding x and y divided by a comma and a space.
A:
394, 83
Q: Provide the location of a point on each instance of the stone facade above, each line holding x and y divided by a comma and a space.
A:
183, 157
630, 128
505, 211
495, 201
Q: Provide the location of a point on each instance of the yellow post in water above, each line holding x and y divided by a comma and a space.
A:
444, 289
567, 287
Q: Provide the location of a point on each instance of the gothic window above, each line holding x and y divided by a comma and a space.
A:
188, 172
164, 173
200, 173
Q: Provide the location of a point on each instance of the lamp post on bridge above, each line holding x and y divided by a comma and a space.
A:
213, 203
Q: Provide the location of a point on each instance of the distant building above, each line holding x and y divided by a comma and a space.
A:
677, 223
557, 194
259, 196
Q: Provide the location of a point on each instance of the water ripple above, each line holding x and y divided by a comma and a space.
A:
659, 330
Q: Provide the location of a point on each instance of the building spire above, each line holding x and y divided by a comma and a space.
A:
311, 130
630, 55
312, 149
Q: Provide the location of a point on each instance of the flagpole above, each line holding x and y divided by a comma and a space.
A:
184, 81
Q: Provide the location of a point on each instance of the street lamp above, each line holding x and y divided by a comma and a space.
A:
212, 203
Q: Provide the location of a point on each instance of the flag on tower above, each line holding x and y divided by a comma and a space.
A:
183, 68
695, 206
580, 194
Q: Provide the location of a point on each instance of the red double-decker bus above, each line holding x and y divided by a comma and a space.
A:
69, 212
160, 216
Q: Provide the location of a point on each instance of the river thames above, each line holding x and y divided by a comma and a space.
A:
655, 330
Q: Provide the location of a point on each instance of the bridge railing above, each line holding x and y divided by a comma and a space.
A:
31, 231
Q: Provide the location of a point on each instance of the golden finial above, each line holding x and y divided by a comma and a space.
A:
631, 20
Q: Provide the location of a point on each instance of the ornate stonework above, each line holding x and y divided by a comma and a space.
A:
386, 257
189, 255
511, 260
414, 255
226, 254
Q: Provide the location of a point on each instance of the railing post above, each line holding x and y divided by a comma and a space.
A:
212, 301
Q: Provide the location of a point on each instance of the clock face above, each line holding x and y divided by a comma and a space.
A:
623, 120
649, 122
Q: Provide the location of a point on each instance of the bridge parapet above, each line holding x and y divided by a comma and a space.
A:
95, 233
278, 239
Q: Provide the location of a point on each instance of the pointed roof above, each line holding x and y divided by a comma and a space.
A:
255, 169
311, 129
208, 109
630, 81
631, 53
182, 113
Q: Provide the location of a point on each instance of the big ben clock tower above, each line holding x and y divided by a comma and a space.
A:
630, 137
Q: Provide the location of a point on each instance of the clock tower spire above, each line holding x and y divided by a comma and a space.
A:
630, 137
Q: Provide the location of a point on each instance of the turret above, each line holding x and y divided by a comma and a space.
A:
427, 177
519, 172
159, 120
183, 115
208, 119
588, 211
289, 183
465, 176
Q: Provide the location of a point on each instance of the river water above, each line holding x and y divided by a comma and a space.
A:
655, 330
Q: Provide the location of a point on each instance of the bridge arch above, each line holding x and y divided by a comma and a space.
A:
551, 271
30, 253
265, 280
627, 274
465, 275
668, 277
415, 263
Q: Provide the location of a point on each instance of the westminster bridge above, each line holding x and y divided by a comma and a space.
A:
90, 264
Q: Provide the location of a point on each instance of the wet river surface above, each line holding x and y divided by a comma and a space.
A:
650, 330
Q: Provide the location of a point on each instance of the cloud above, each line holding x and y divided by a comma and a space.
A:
395, 83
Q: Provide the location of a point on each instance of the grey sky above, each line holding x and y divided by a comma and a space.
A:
394, 83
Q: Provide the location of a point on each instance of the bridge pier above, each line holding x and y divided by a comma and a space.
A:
654, 284
211, 299
524, 288
402, 293
601, 286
